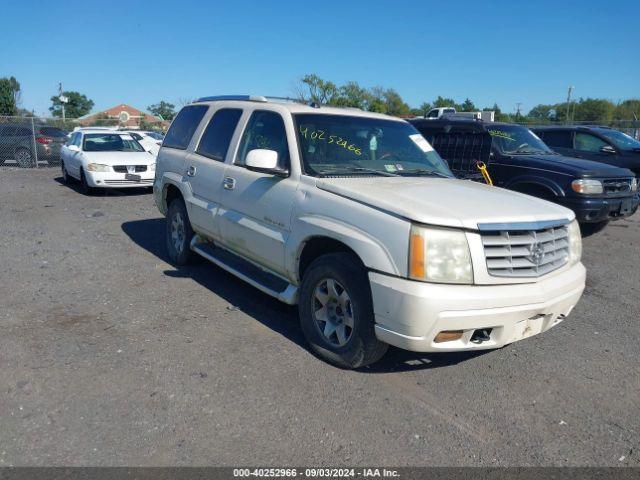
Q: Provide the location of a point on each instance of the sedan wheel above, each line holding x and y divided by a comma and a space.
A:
23, 158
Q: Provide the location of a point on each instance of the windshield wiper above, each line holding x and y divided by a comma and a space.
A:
350, 170
423, 171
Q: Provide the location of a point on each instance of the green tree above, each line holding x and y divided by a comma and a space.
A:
468, 106
77, 106
422, 110
312, 88
353, 95
594, 110
443, 102
395, 105
627, 110
165, 110
7, 99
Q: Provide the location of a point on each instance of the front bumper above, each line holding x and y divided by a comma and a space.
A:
410, 314
118, 180
594, 210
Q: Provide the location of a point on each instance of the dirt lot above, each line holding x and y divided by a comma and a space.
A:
111, 356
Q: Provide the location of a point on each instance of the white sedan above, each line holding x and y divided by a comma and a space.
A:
100, 159
150, 141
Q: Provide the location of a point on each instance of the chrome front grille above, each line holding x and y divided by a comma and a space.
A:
525, 253
123, 168
617, 185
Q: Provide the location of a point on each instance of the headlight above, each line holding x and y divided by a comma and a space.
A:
152, 167
439, 255
98, 167
634, 184
575, 243
587, 187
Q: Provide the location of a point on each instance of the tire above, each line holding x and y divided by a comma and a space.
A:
23, 158
66, 178
84, 186
340, 330
178, 234
588, 229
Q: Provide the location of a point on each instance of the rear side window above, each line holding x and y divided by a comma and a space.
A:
182, 128
557, 138
462, 149
217, 136
589, 143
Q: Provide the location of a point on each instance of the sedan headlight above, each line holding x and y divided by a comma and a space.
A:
439, 255
98, 167
575, 243
587, 186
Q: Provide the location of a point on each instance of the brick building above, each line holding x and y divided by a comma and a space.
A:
122, 115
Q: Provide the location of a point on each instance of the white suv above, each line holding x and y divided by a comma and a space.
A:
354, 217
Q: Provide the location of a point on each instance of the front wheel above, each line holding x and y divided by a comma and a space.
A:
66, 178
336, 312
179, 234
85, 187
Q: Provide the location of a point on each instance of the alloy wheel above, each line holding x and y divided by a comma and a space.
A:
333, 311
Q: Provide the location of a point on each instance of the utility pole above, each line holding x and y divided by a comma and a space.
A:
518, 109
62, 99
567, 118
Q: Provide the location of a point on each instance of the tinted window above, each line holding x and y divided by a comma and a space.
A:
265, 130
557, 138
462, 149
110, 142
182, 128
588, 143
53, 132
216, 137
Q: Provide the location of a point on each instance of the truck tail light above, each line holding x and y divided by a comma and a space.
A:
44, 140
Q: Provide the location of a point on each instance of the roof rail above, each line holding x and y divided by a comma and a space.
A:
247, 98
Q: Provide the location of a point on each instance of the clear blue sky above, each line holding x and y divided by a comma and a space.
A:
140, 52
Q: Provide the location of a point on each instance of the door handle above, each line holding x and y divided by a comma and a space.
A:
191, 171
229, 183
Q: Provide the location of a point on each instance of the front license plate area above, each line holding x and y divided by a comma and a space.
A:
131, 176
626, 206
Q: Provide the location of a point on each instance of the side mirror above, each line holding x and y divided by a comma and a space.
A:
608, 149
74, 148
265, 161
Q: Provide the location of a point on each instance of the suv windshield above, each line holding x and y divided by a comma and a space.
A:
110, 142
516, 140
621, 140
349, 145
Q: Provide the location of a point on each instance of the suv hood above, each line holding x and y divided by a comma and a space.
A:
120, 158
571, 165
445, 202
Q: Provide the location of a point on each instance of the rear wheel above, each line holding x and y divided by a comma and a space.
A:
23, 158
179, 234
336, 312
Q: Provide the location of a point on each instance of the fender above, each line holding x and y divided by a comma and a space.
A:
373, 254
171, 178
546, 183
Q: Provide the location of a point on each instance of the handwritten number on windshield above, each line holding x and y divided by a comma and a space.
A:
331, 139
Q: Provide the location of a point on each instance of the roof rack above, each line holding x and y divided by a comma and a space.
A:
249, 98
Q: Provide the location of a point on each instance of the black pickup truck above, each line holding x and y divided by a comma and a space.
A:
518, 160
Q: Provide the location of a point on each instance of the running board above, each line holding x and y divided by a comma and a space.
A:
255, 276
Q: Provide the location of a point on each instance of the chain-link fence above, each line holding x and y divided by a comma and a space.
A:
34, 142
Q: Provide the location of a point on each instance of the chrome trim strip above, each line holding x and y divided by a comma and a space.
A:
542, 225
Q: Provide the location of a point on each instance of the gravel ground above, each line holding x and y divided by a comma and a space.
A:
111, 356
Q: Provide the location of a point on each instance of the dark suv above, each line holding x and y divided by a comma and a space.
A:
602, 144
518, 160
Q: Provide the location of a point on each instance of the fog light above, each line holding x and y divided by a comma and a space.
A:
448, 336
